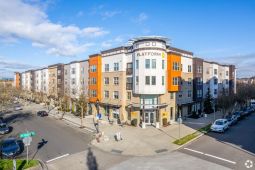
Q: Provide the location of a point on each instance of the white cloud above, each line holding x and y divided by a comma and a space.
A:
141, 18
113, 42
109, 14
21, 20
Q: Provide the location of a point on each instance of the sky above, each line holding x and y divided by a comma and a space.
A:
38, 33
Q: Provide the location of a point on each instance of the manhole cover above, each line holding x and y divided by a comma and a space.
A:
160, 150
116, 151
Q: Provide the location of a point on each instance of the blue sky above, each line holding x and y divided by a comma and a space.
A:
36, 33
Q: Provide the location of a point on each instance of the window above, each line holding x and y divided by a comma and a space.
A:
171, 95
147, 63
93, 93
147, 43
163, 80
215, 81
189, 81
163, 64
116, 95
226, 73
137, 64
153, 43
59, 72
136, 80
129, 95
199, 93
116, 80
73, 81
199, 69
106, 94
93, 80
153, 63
199, 81
106, 80
147, 80
189, 93
215, 91
129, 84
215, 71
93, 68
189, 68
73, 70
116, 66
59, 81
176, 66
175, 81
106, 67
153, 80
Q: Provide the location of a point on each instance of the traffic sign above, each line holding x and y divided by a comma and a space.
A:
28, 134
27, 141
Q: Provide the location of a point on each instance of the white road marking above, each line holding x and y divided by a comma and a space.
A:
220, 158
209, 155
193, 150
57, 158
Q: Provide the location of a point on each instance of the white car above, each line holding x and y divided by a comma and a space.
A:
220, 125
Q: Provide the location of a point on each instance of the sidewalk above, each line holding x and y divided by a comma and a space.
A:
150, 141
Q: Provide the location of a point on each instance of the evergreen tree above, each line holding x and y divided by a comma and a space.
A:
208, 102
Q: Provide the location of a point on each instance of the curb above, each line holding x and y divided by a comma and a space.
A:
43, 165
196, 138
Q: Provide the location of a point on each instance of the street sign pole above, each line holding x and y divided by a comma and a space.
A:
14, 164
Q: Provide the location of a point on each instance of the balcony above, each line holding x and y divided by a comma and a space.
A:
129, 71
129, 86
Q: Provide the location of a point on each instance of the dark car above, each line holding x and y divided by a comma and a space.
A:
42, 113
238, 115
9, 147
4, 128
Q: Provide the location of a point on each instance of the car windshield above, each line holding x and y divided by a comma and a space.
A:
9, 143
218, 122
3, 126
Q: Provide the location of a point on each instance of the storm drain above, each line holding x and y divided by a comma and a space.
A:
116, 151
161, 150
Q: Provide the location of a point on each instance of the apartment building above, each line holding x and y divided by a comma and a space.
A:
38, 80
84, 77
17, 80
75, 85
147, 80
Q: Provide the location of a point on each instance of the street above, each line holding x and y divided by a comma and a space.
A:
231, 149
54, 138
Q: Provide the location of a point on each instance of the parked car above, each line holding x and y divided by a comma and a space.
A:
237, 115
9, 147
42, 113
17, 108
220, 125
232, 119
4, 128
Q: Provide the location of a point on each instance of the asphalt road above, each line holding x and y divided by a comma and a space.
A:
231, 149
54, 138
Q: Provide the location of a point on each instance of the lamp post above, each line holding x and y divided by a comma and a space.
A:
214, 114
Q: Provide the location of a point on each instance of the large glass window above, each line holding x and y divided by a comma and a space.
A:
116, 95
137, 64
106, 67
147, 80
116, 80
163, 64
153, 63
163, 80
215, 71
93, 68
175, 81
147, 63
136, 80
176, 66
153, 80
189, 68
116, 66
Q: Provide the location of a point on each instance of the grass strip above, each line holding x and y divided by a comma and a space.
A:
7, 164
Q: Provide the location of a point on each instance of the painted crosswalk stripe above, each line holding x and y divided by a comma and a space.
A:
57, 158
193, 150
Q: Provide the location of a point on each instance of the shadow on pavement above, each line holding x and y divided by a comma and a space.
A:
16, 117
91, 160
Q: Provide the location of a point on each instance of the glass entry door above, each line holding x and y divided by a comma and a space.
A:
149, 117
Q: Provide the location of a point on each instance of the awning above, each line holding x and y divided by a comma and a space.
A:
147, 106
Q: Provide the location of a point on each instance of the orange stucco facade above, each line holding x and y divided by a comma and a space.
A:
95, 61
171, 59
17, 77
